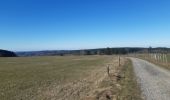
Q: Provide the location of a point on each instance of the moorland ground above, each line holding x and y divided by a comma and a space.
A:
67, 77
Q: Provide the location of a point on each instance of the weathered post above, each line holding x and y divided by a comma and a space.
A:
119, 60
163, 58
158, 57
166, 59
155, 56
108, 70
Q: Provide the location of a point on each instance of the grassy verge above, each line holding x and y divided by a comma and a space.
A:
120, 85
166, 66
129, 87
159, 63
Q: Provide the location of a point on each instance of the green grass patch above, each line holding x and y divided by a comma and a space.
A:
129, 89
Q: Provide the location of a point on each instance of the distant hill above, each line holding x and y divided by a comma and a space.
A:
99, 51
5, 53
44, 53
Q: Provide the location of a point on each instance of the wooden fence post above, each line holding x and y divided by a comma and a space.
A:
119, 60
166, 59
108, 70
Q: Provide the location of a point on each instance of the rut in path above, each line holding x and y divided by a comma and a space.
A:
154, 80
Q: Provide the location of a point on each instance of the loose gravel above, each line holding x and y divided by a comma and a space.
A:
154, 80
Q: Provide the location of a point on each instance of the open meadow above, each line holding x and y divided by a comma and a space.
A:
35, 77
64, 78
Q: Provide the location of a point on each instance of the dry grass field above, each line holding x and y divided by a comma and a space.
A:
63, 78
158, 62
169, 58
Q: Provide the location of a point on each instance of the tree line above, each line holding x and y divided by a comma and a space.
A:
122, 51
5, 53
99, 51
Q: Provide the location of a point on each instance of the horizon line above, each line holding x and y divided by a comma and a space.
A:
79, 49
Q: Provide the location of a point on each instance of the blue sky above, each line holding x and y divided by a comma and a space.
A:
80, 24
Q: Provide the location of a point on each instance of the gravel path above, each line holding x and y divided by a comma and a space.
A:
154, 80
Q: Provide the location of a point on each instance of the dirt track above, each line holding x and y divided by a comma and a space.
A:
154, 80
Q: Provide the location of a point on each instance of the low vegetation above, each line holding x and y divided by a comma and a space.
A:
130, 90
161, 62
169, 58
73, 77
35, 78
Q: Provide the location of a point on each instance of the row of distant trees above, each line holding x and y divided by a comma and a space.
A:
5, 53
111, 51
100, 51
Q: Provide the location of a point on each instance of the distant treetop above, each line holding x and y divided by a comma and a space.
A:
5, 53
